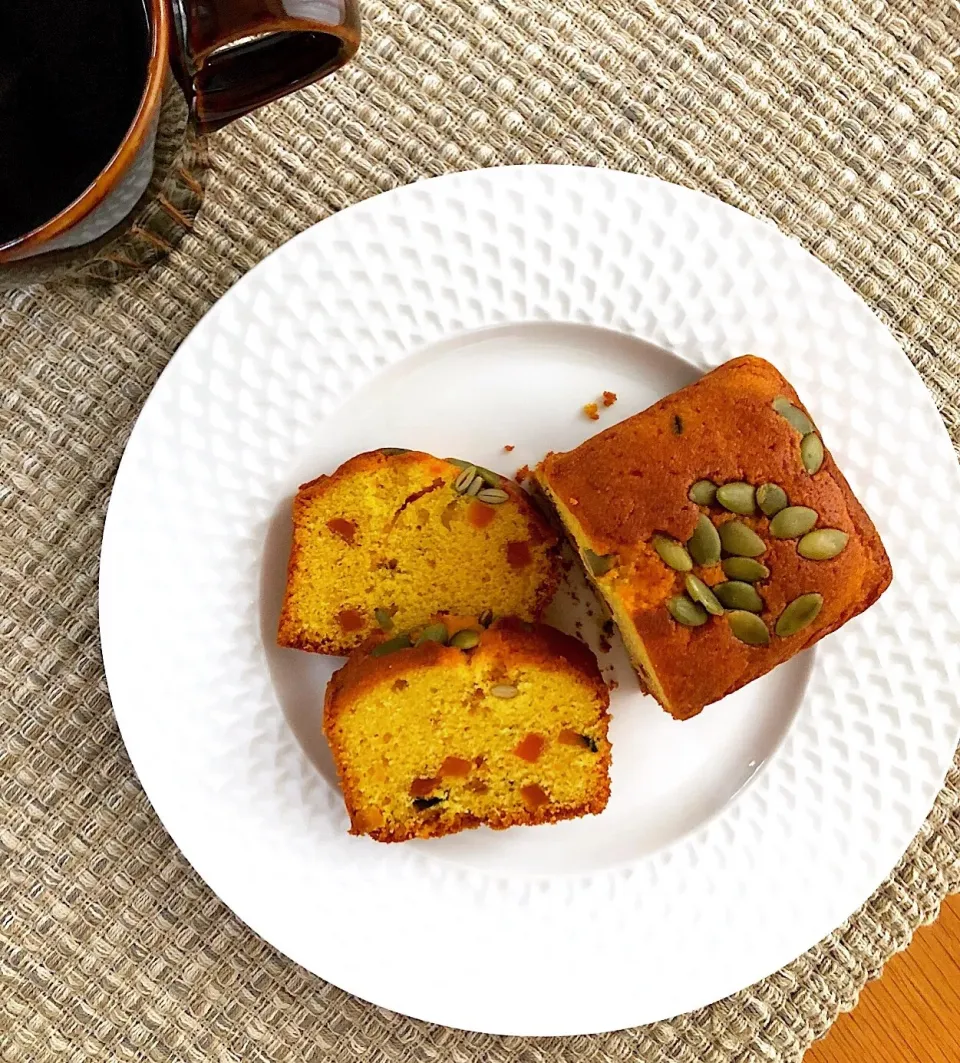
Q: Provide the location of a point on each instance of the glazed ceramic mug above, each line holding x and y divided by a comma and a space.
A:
229, 57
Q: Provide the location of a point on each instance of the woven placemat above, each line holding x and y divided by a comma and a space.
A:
836, 118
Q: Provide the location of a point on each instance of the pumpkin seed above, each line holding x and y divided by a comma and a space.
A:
433, 633
672, 553
704, 544
738, 498
738, 539
748, 628
465, 479
465, 639
736, 594
504, 690
485, 619
744, 569
771, 498
599, 564
800, 612
700, 592
822, 544
384, 619
793, 415
475, 487
493, 496
703, 492
792, 522
392, 452
400, 642
493, 479
686, 612
811, 452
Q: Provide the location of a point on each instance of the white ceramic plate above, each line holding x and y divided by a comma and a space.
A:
457, 316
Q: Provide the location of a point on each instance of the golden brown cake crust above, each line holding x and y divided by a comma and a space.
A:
632, 481
439, 473
509, 640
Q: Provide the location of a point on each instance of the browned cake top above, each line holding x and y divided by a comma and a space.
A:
632, 481
539, 644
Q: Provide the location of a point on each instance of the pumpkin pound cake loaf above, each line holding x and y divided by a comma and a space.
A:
454, 725
394, 537
720, 532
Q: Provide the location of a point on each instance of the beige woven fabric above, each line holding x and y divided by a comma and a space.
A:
837, 118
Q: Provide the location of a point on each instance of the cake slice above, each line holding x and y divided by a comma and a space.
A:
454, 725
394, 537
720, 532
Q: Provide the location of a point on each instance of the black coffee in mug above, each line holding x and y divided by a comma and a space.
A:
81, 89
72, 74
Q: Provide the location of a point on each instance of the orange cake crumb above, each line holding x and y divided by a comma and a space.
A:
609, 398
591, 411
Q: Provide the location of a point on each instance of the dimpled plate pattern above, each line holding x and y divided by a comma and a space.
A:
196, 684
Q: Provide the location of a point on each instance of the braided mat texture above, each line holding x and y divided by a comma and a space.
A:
838, 119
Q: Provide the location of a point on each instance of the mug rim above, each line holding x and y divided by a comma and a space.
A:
103, 184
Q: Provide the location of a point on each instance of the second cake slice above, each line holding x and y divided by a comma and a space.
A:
453, 726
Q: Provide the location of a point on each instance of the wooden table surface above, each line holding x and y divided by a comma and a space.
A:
912, 1013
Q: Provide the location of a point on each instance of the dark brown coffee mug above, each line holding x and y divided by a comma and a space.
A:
229, 57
